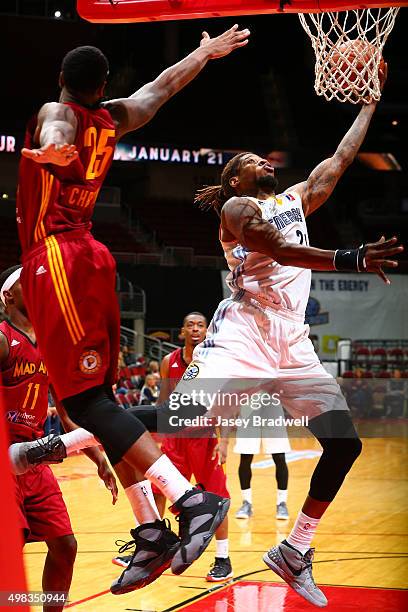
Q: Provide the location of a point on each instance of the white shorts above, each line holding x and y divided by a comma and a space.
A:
268, 446
249, 441
256, 347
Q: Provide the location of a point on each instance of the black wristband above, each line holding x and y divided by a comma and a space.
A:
351, 260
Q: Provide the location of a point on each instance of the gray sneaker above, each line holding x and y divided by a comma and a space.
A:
245, 511
155, 546
200, 515
295, 569
282, 512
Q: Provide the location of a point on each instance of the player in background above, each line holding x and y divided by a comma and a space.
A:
247, 447
259, 331
42, 512
199, 457
68, 150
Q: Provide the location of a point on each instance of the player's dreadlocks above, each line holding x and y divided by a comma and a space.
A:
215, 196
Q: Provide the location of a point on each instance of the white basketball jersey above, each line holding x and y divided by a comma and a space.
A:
262, 276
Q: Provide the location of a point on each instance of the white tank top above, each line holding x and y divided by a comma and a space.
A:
260, 275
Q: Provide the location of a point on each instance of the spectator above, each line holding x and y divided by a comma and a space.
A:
360, 397
150, 391
154, 369
394, 398
121, 360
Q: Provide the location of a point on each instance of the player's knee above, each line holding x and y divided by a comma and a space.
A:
279, 459
113, 426
63, 550
245, 460
339, 454
354, 448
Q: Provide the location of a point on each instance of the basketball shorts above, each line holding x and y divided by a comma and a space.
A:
193, 457
42, 511
253, 351
261, 438
68, 283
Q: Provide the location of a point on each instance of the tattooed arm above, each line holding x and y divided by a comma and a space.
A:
322, 181
241, 220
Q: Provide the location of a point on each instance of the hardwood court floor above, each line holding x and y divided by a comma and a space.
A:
362, 541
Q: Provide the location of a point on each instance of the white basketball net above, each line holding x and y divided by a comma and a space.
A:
335, 69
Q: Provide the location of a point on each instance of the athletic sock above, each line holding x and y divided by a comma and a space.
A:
282, 496
222, 549
77, 439
303, 532
18, 460
247, 495
140, 496
168, 479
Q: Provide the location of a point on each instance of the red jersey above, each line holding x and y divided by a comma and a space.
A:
24, 386
53, 199
177, 365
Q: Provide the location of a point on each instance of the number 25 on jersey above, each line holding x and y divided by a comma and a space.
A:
101, 152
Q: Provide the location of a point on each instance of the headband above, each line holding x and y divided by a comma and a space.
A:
9, 282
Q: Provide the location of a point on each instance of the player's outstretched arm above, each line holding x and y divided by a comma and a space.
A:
131, 113
55, 135
241, 220
322, 181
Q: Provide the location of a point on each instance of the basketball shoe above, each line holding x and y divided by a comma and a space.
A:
295, 569
282, 512
200, 513
46, 450
155, 546
220, 570
245, 511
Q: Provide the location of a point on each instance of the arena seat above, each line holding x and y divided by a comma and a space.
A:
117, 238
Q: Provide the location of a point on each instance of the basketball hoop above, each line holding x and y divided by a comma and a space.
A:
348, 47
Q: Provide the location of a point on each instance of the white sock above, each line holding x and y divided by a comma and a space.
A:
247, 495
78, 438
140, 496
222, 549
18, 461
168, 479
303, 532
282, 496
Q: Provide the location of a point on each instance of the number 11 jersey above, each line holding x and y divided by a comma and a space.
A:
24, 386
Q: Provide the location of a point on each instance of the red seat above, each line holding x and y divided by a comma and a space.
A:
384, 374
379, 353
362, 351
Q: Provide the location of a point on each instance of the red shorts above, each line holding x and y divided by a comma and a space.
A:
193, 457
68, 282
42, 511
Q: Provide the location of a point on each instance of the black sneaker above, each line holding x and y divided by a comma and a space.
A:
200, 514
220, 570
155, 546
47, 450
